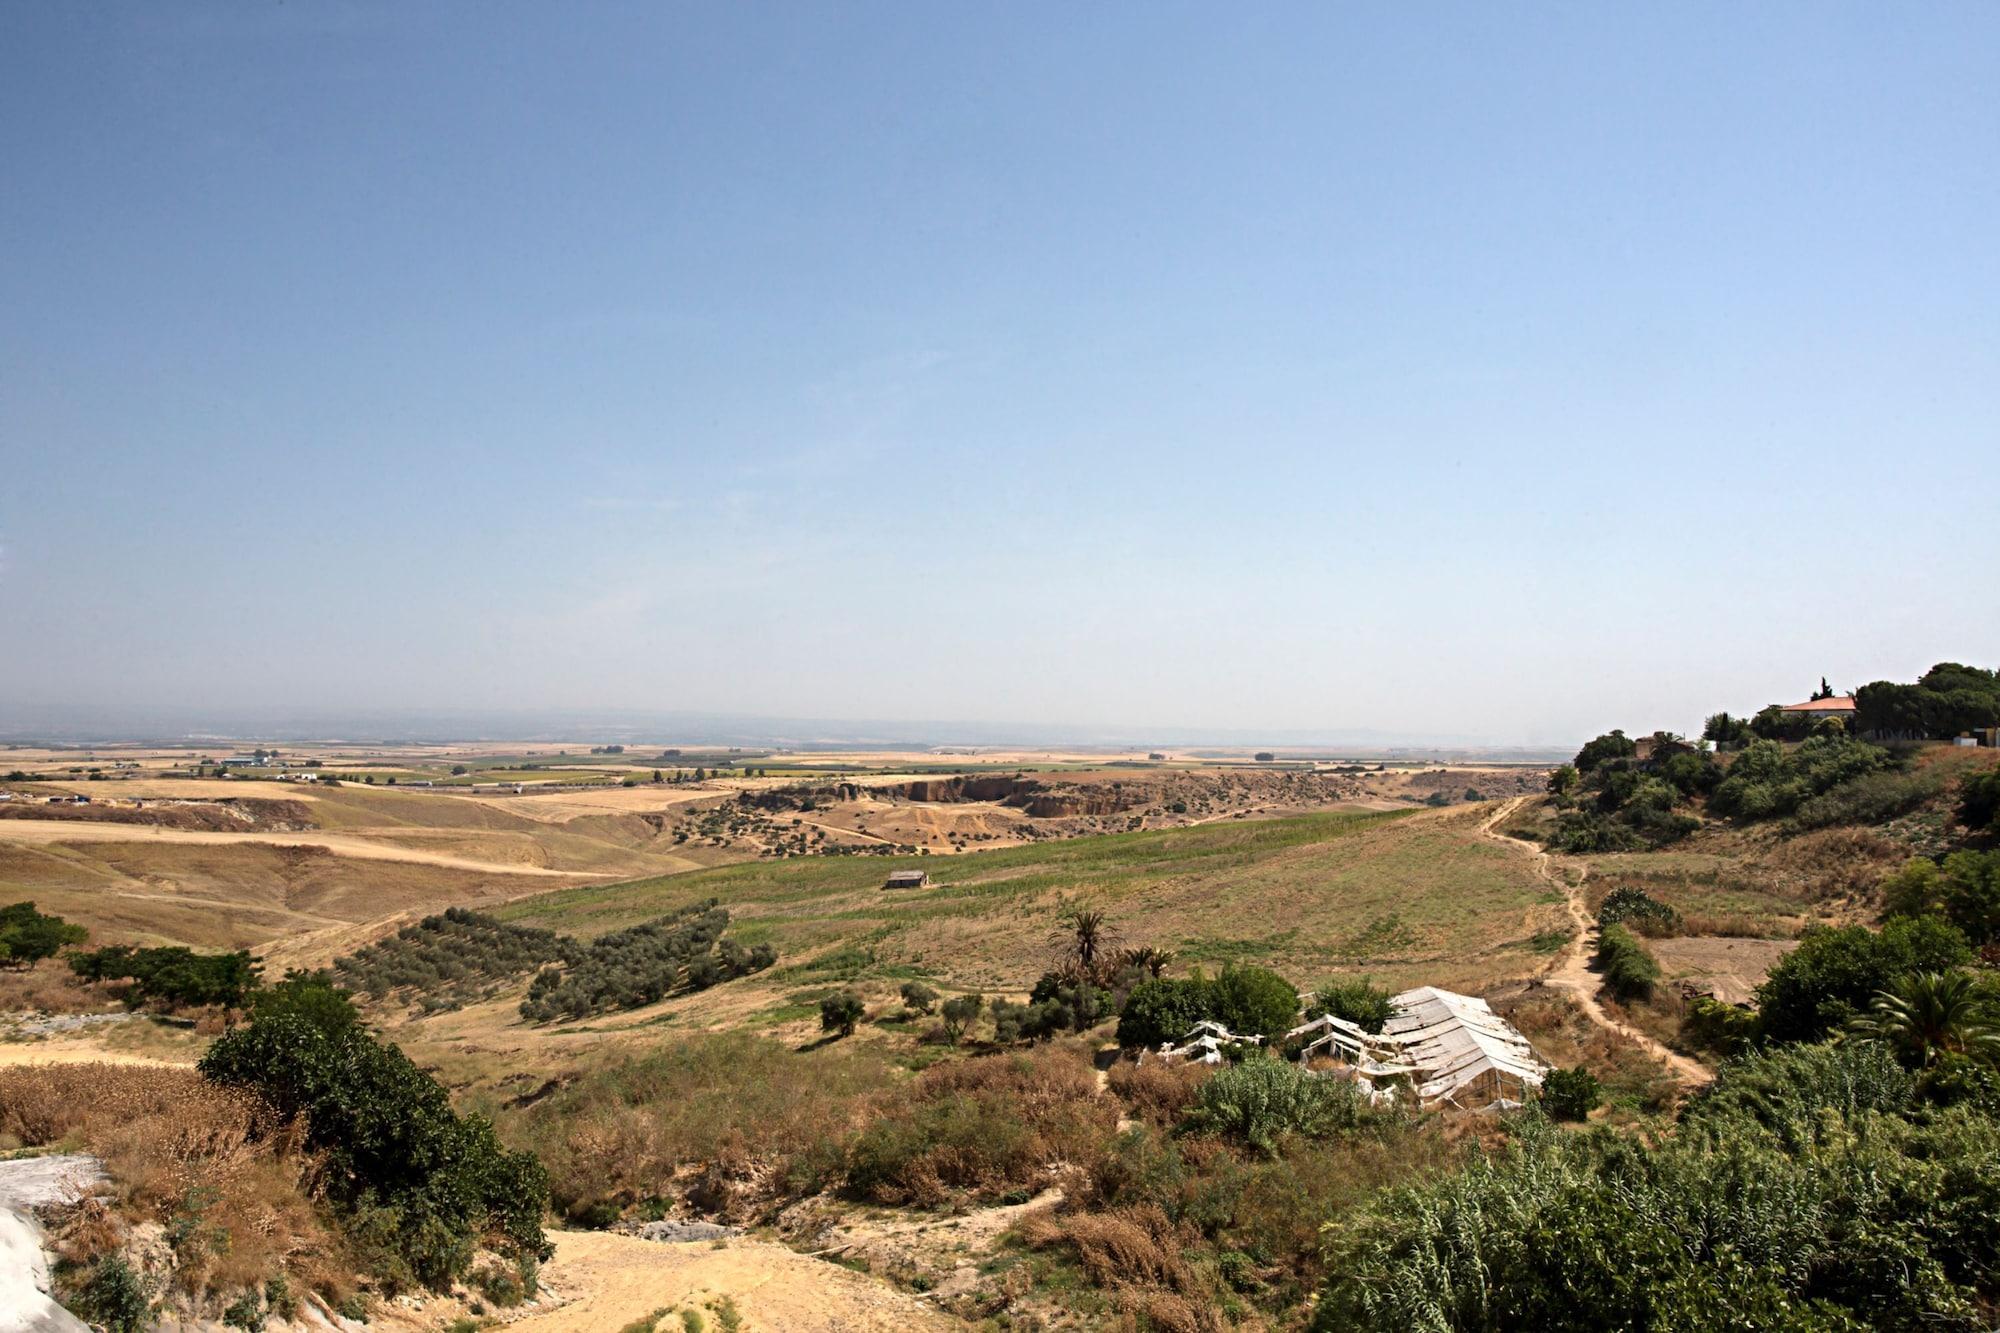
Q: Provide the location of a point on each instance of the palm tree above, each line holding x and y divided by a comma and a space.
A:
1154, 961
1086, 938
1931, 1015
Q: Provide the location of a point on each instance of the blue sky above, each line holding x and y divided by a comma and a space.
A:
1507, 372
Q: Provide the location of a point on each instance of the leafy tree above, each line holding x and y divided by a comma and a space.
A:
172, 976
1569, 1094
838, 1013
959, 1013
28, 936
1835, 973
1723, 730
1358, 1001
1162, 1009
1564, 782
1611, 745
414, 1182
918, 998
1930, 1016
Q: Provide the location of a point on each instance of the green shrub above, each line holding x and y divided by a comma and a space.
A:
918, 998
1642, 913
1713, 1025
1979, 801
1250, 1001
1628, 970
1569, 1094
113, 1295
415, 1183
1800, 1194
1834, 973
1255, 1001
1162, 1009
1260, 1100
1358, 1001
1875, 798
840, 1011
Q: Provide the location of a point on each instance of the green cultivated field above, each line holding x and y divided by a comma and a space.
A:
1406, 898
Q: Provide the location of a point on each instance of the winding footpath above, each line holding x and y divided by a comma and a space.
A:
1572, 971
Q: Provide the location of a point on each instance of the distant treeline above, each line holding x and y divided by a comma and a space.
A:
172, 977
640, 965
457, 954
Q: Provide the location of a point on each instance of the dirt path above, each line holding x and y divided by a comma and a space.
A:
1572, 971
850, 832
610, 1280
44, 831
75, 1052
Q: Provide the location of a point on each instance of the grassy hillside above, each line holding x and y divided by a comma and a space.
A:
1404, 897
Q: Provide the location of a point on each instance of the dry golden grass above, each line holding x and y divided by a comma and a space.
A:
49, 988
1565, 1037
210, 1164
1157, 1093
1012, 1123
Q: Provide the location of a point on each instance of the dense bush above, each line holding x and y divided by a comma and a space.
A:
417, 1186
1260, 1100
1713, 1025
1569, 1094
1628, 970
1979, 802
1874, 798
1635, 908
171, 977
1767, 781
1835, 973
640, 965
1249, 1001
1965, 890
1634, 803
1161, 1010
28, 936
1801, 1194
1358, 1001
458, 951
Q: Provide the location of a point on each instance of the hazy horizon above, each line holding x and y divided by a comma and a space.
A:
1496, 375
